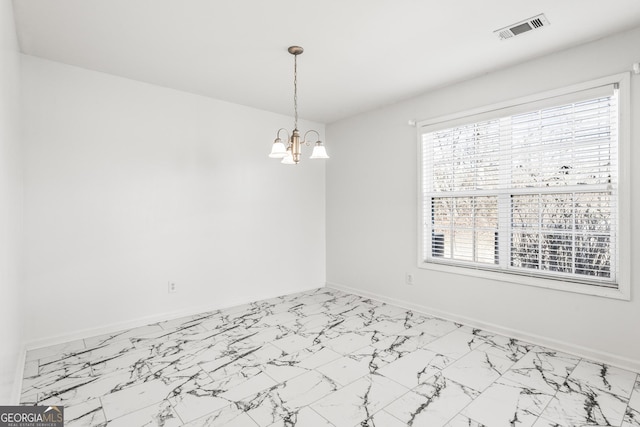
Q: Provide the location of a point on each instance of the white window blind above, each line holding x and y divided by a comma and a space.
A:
530, 189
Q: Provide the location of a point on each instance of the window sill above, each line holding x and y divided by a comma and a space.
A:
621, 293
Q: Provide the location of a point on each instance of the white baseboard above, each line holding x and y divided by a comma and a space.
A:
147, 320
19, 375
589, 353
142, 321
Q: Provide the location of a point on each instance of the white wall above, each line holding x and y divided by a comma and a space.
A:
11, 187
130, 186
371, 213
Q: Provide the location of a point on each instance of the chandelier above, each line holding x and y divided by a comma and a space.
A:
290, 154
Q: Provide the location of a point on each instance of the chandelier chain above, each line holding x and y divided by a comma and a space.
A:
295, 89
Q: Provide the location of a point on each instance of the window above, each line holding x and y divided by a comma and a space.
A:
530, 189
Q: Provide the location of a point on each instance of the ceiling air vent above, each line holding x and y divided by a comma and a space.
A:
522, 27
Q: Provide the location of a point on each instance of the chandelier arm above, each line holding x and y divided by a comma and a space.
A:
285, 131
304, 138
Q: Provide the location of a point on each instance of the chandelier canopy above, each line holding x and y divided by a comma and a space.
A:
290, 154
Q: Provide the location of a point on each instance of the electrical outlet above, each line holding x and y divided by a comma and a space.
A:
408, 279
172, 288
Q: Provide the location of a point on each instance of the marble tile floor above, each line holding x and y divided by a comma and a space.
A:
324, 358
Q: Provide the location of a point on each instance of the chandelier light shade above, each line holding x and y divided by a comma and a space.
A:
290, 153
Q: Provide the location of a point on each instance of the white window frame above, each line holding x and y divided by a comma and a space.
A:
623, 211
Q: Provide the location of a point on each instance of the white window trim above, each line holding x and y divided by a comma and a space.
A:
623, 240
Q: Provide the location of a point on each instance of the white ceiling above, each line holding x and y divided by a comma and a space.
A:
359, 54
